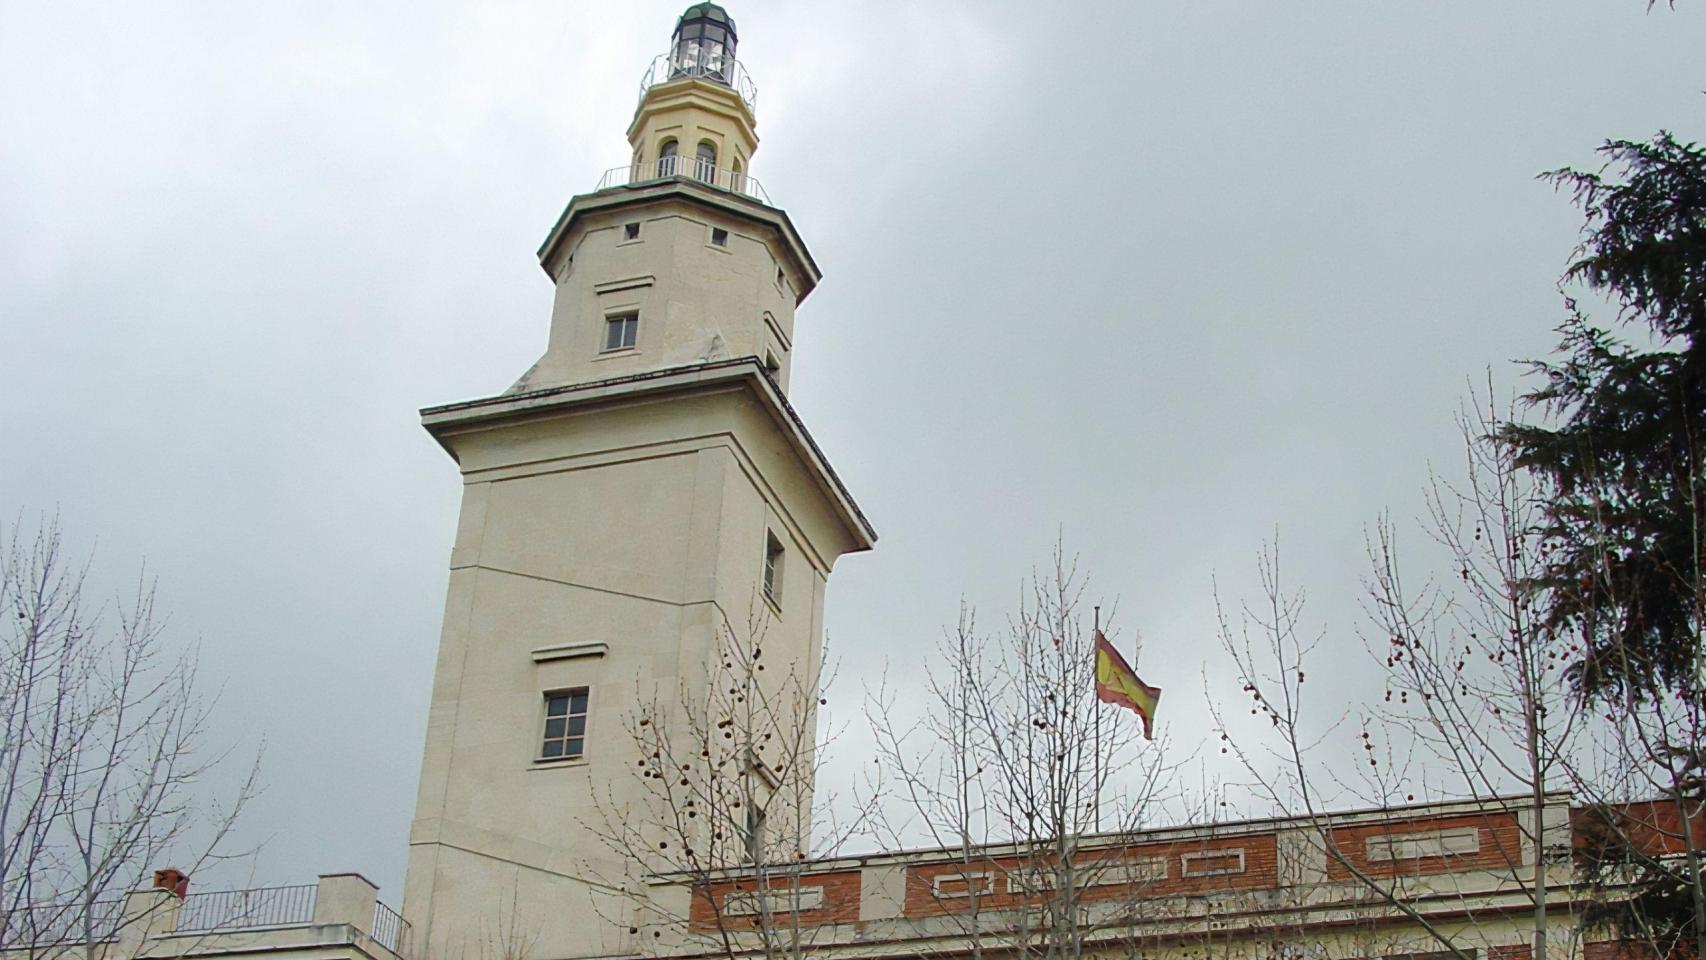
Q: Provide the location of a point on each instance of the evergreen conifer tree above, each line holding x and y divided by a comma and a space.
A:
1621, 461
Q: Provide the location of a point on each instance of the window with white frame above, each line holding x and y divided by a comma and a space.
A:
621, 331
565, 725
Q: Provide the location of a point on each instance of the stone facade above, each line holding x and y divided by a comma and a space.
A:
640, 495
645, 491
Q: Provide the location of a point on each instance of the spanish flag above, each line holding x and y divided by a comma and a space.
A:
1117, 683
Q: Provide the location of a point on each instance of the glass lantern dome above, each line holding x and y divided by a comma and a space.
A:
704, 44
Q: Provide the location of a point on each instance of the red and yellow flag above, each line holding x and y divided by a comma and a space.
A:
1117, 683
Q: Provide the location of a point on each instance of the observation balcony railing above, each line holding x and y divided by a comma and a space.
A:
685, 168
705, 65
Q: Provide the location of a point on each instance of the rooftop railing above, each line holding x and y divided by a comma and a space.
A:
704, 65
685, 168
390, 930
147, 915
247, 909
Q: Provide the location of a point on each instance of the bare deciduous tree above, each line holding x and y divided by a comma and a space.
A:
1473, 703
103, 752
728, 807
1031, 785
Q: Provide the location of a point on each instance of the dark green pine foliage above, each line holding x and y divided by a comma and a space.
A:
1620, 456
1619, 461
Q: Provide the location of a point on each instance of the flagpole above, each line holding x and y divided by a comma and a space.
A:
1097, 806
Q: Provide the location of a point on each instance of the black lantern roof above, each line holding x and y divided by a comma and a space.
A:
704, 44
708, 13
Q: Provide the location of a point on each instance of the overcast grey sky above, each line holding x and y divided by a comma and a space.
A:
1160, 278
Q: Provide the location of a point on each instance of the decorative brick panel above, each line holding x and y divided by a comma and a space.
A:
828, 898
1511, 951
1149, 870
1383, 849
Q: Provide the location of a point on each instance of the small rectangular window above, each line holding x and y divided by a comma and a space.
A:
773, 570
621, 331
780, 278
631, 231
719, 237
565, 725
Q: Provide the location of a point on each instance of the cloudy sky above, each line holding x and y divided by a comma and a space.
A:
1157, 279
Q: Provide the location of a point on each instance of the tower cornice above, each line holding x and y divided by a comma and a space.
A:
445, 422
803, 269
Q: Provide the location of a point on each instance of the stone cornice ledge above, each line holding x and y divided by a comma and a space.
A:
444, 420
570, 651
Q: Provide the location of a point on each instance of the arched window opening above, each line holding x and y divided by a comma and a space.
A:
666, 158
737, 182
706, 161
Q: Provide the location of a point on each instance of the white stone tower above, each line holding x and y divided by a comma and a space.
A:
645, 483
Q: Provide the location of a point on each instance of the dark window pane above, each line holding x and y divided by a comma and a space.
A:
556, 706
554, 727
579, 702
575, 747
577, 726
553, 748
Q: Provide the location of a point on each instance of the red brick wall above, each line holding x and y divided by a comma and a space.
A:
1618, 950
840, 901
1653, 827
1500, 846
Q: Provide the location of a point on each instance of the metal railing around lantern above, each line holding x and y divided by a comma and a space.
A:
685, 168
706, 66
